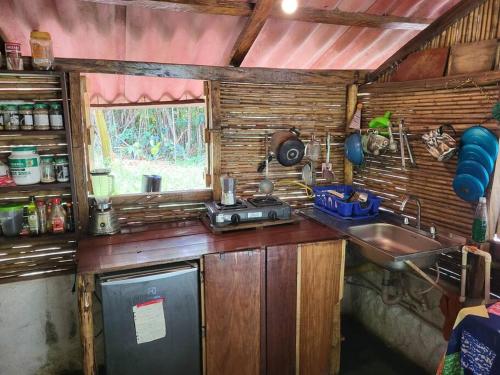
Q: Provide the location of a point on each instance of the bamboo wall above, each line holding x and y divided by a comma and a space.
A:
481, 24
462, 105
247, 112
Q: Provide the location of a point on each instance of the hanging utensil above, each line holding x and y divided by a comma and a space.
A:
402, 146
266, 186
413, 163
327, 168
308, 173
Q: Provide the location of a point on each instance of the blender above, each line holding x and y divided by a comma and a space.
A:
103, 220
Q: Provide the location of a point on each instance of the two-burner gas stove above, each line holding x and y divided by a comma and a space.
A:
267, 208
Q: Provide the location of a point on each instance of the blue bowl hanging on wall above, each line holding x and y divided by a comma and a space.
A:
353, 149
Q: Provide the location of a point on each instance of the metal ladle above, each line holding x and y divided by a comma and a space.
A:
266, 186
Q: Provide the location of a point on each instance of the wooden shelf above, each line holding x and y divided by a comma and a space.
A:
35, 187
37, 240
34, 133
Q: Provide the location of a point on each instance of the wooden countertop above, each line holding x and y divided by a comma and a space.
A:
171, 242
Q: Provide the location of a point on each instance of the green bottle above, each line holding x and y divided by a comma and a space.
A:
480, 224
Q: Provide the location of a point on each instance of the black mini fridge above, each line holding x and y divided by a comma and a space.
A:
152, 321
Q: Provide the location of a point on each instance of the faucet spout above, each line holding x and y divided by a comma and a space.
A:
407, 198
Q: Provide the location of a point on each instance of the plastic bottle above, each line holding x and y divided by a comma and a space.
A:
480, 224
57, 217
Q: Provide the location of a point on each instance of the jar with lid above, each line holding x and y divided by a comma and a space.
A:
11, 117
1, 118
26, 116
41, 50
56, 116
41, 116
47, 169
62, 169
24, 163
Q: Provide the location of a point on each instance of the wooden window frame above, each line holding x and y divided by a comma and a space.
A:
164, 197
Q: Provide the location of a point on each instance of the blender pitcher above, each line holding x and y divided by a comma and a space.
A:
103, 185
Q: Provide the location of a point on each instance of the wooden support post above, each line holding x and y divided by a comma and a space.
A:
352, 101
78, 132
86, 286
215, 136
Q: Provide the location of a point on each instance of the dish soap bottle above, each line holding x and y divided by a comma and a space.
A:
480, 224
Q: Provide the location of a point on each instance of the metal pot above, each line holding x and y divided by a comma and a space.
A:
286, 147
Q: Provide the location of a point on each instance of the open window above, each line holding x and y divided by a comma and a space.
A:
150, 146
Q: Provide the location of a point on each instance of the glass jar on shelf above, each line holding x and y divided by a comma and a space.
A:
56, 116
47, 169
62, 169
26, 116
11, 117
1, 118
41, 116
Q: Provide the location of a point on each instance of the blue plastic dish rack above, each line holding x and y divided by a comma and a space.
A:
337, 207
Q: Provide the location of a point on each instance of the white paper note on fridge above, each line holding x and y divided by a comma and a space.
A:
149, 320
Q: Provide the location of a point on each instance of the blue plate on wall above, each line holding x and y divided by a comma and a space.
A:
468, 187
474, 169
481, 136
476, 153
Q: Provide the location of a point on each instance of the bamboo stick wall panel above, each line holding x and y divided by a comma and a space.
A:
461, 105
27, 258
250, 111
481, 24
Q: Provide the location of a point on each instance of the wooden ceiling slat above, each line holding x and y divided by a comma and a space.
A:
304, 14
250, 31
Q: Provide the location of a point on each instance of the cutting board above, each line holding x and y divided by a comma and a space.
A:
430, 63
472, 57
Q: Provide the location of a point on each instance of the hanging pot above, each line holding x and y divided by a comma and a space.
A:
286, 147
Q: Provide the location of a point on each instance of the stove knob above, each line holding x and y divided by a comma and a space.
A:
235, 219
273, 215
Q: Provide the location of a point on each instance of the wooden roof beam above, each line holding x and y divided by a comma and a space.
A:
215, 73
454, 14
314, 15
249, 34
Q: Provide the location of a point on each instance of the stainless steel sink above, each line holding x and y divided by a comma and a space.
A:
393, 239
389, 243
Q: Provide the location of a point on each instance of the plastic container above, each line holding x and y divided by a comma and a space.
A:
341, 207
11, 219
24, 165
41, 50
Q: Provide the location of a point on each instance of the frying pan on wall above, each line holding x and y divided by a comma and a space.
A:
286, 148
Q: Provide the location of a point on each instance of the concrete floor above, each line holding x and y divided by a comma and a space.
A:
365, 354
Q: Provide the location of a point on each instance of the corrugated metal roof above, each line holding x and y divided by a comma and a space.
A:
87, 30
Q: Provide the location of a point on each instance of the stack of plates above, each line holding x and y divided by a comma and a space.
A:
478, 152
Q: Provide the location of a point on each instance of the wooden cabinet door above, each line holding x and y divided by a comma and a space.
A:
233, 306
320, 279
281, 309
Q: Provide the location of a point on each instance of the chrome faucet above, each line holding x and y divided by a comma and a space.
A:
419, 207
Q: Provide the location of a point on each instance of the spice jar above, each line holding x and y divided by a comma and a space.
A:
62, 169
47, 169
26, 116
41, 116
41, 50
11, 117
13, 56
56, 117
